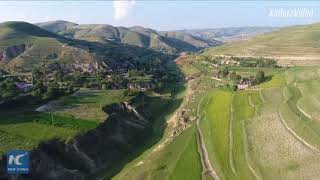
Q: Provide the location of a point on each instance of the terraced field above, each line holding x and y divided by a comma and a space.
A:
271, 132
169, 162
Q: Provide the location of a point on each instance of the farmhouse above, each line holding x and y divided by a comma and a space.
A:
244, 84
23, 86
142, 86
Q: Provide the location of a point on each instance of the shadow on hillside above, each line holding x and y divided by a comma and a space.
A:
267, 78
159, 108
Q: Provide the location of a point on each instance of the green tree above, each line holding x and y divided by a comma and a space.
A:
233, 76
225, 71
260, 76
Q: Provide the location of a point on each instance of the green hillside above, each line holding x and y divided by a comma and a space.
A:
227, 34
24, 46
173, 42
296, 45
56, 26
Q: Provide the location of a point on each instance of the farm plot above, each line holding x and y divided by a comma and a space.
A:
9, 141
242, 112
177, 160
21, 130
86, 104
24, 128
309, 103
225, 134
277, 150
277, 80
302, 74
215, 128
189, 160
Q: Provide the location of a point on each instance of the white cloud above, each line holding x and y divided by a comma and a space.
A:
122, 8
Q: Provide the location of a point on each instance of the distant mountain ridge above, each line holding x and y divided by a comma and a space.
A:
170, 42
229, 33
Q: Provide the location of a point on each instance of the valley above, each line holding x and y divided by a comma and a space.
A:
105, 102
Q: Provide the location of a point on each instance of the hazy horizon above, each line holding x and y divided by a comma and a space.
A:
162, 15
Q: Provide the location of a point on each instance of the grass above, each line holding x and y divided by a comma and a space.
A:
310, 100
171, 162
297, 45
88, 103
189, 160
10, 141
260, 141
242, 112
66, 122
24, 128
215, 127
145, 162
277, 80
296, 120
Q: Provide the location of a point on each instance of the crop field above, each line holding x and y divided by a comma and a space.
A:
216, 121
86, 104
300, 47
25, 128
270, 132
262, 133
170, 162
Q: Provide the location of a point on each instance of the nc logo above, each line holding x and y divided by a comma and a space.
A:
18, 162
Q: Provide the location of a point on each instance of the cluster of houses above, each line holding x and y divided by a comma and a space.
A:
24, 87
244, 83
225, 62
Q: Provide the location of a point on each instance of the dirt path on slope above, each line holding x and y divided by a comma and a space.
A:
206, 164
231, 161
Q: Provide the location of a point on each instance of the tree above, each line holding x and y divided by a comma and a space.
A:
225, 72
58, 76
104, 86
233, 76
260, 76
8, 88
37, 75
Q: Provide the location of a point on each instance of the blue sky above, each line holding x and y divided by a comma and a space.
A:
160, 15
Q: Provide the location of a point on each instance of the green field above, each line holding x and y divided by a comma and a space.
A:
169, 162
266, 132
260, 133
86, 104
300, 47
223, 129
252, 134
24, 128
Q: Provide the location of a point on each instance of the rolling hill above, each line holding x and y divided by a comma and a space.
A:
228, 34
173, 42
296, 45
24, 46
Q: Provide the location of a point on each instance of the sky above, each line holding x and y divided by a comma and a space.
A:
162, 15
